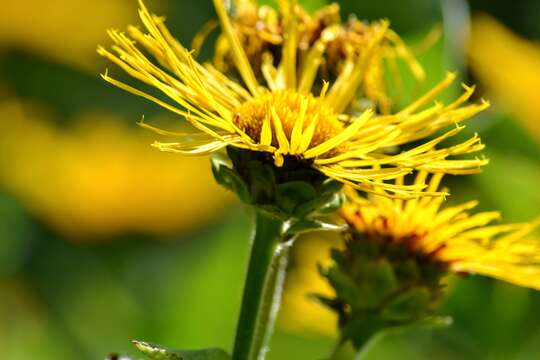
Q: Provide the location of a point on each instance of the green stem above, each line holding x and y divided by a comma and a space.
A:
262, 290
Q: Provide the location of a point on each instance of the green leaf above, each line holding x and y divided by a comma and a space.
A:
155, 352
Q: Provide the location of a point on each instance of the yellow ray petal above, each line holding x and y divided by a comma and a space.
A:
430, 95
240, 58
337, 140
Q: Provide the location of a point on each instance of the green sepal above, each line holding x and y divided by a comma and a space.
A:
300, 226
334, 202
367, 286
262, 184
324, 204
361, 327
328, 200
330, 186
380, 286
228, 178
377, 281
344, 286
408, 306
293, 194
408, 271
293, 191
156, 352
331, 303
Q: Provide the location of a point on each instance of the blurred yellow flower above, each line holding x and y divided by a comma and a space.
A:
99, 177
299, 312
509, 67
58, 29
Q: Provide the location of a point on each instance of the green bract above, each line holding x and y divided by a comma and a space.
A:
293, 191
381, 286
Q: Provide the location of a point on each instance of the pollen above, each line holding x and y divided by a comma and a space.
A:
283, 111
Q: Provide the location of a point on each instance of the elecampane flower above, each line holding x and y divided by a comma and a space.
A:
450, 236
262, 32
283, 117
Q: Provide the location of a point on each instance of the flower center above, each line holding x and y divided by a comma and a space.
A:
379, 230
290, 107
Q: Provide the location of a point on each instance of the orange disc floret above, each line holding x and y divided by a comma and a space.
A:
288, 107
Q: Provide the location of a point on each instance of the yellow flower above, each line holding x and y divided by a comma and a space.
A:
450, 236
509, 67
71, 179
262, 32
284, 118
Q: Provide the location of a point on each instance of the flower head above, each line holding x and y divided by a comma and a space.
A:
398, 253
285, 118
450, 236
262, 32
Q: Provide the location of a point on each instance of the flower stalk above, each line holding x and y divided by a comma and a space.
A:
263, 288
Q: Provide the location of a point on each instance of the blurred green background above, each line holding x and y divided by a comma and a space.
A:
103, 239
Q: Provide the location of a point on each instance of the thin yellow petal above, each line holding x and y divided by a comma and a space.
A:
240, 58
280, 134
430, 95
307, 136
266, 133
337, 140
296, 135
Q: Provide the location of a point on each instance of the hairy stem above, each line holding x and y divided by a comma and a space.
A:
262, 290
